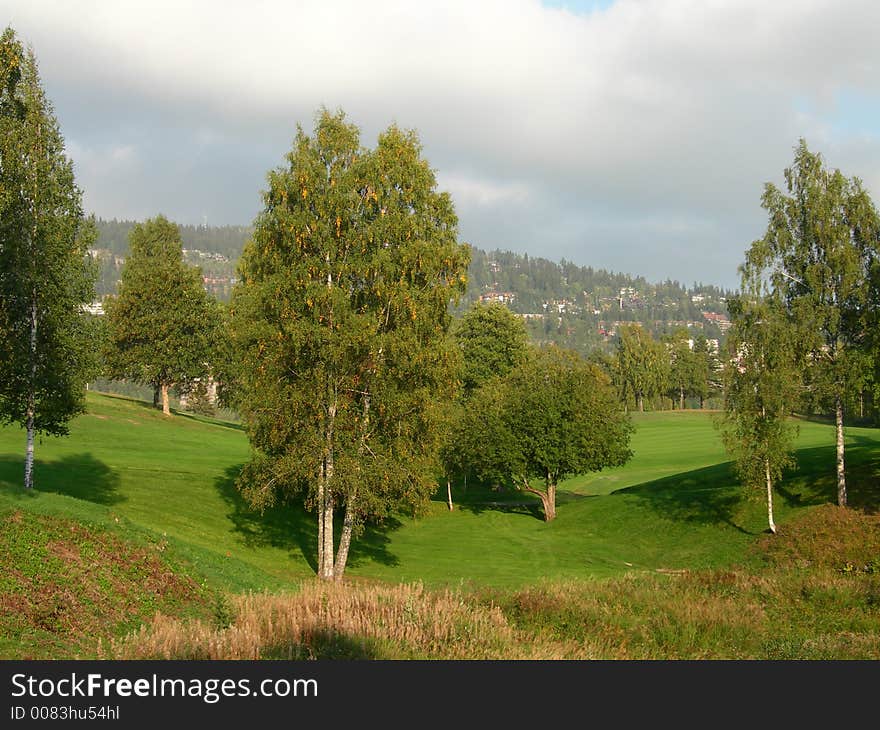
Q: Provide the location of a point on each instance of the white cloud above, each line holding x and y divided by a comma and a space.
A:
468, 191
649, 109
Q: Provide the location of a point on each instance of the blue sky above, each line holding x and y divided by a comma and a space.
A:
634, 136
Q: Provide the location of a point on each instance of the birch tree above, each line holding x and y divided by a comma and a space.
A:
761, 389
46, 338
340, 322
642, 365
816, 257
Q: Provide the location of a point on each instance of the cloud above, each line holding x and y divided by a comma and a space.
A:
468, 191
670, 113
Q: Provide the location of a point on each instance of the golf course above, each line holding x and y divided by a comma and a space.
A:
129, 481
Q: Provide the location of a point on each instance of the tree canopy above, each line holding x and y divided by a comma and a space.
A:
642, 366
341, 323
493, 341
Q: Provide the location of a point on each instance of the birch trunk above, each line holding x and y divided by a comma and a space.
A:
320, 510
841, 472
769, 496
166, 409
345, 538
30, 416
327, 517
449, 495
348, 520
325, 505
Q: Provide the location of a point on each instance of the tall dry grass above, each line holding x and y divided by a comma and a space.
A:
331, 620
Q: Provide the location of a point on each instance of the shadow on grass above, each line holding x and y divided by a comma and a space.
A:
207, 420
478, 498
815, 479
713, 495
78, 475
325, 645
291, 527
710, 495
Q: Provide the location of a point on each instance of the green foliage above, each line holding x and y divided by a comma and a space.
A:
341, 320
46, 340
553, 417
493, 342
761, 389
161, 328
642, 365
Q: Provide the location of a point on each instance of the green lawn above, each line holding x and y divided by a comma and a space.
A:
675, 505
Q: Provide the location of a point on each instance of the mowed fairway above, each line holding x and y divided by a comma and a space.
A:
675, 506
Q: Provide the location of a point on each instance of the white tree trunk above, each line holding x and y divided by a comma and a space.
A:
320, 511
449, 495
327, 517
769, 496
31, 398
345, 538
325, 505
841, 471
166, 408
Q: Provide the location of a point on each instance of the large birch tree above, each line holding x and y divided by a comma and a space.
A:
816, 256
46, 338
340, 321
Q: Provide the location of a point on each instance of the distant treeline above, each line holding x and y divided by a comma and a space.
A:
564, 303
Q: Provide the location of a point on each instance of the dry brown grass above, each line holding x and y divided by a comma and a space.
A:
321, 620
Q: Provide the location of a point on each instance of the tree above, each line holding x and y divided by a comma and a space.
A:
642, 365
341, 322
46, 356
493, 341
761, 387
685, 374
553, 417
707, 370
162, 325
816, 256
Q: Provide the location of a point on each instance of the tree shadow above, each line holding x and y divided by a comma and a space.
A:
714, 495
710, 495
291, 527
815, 479
207, 420
479, 498
78, 475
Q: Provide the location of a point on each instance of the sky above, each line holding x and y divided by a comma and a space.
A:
629, 135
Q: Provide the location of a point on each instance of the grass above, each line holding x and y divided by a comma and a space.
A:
65, 584
676, 505
816, 595
642, 551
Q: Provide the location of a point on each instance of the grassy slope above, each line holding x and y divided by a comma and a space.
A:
676, 504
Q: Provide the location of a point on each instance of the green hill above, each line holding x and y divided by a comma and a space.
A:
138, 480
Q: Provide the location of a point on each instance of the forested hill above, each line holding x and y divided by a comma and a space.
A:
575, 306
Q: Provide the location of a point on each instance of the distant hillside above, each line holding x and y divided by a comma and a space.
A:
564, 303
